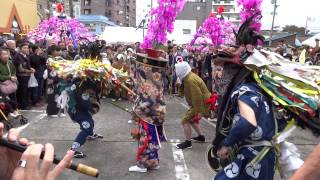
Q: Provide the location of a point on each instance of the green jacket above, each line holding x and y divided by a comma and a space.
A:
196, 93
4, 71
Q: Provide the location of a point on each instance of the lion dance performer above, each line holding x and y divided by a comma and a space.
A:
81, 85
258, 110
149, 112
196, 93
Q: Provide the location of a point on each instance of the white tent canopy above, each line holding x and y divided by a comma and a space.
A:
311, 41
118, 34
183, 33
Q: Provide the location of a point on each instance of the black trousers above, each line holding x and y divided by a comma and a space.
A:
23, 94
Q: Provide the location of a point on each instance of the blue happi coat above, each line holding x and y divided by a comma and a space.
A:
240, 169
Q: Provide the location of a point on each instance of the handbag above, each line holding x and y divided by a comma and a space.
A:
45, 74
32, 81
8, 87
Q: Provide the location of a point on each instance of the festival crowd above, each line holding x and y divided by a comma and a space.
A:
24, 66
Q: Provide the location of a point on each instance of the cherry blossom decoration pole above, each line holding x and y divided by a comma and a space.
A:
163, 18
56, 29
217, 29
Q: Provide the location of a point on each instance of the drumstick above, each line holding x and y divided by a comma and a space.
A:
81, 168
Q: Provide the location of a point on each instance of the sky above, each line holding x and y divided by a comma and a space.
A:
292, 12
289, 12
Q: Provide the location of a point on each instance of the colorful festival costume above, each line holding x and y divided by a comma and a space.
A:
280, 93
196, 94
80, 86
149, 110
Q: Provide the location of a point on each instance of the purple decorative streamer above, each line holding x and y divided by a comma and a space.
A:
163, 18
250, 8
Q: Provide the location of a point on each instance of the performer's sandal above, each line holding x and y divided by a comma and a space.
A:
137, 169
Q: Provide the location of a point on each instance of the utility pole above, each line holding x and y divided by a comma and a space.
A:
71, 8
306, 28
274, 15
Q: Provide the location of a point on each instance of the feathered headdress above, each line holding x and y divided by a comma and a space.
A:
247, 34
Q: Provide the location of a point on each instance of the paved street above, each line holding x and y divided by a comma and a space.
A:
116, 152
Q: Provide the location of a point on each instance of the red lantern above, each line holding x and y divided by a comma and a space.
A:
220, 9
60, 7
212, 15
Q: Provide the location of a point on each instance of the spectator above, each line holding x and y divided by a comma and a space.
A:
24, 71
7, 69
8, 72
11, 44
72, 52
282, 48
137, 46
63, 48
37, 62
54, 53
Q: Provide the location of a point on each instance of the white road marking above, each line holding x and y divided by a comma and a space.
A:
179, 162
184, 105
208, 122
19, 129
40, 117
32, 110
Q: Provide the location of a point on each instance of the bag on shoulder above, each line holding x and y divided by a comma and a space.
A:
8, 87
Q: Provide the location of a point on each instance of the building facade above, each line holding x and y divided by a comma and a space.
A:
46, 8
200, 10
18, 16
231, 10
96, 23
122, 12
197, 10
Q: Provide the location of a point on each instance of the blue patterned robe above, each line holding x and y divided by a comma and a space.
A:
251, 94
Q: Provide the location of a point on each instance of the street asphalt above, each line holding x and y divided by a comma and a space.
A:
114, 154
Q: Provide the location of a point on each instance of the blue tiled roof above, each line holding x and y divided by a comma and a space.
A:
96, 18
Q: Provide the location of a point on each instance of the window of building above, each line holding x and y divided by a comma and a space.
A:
186, 31
118, 1
108, 3
87, 11
128, 9
128, 1
108, 13
87, 2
